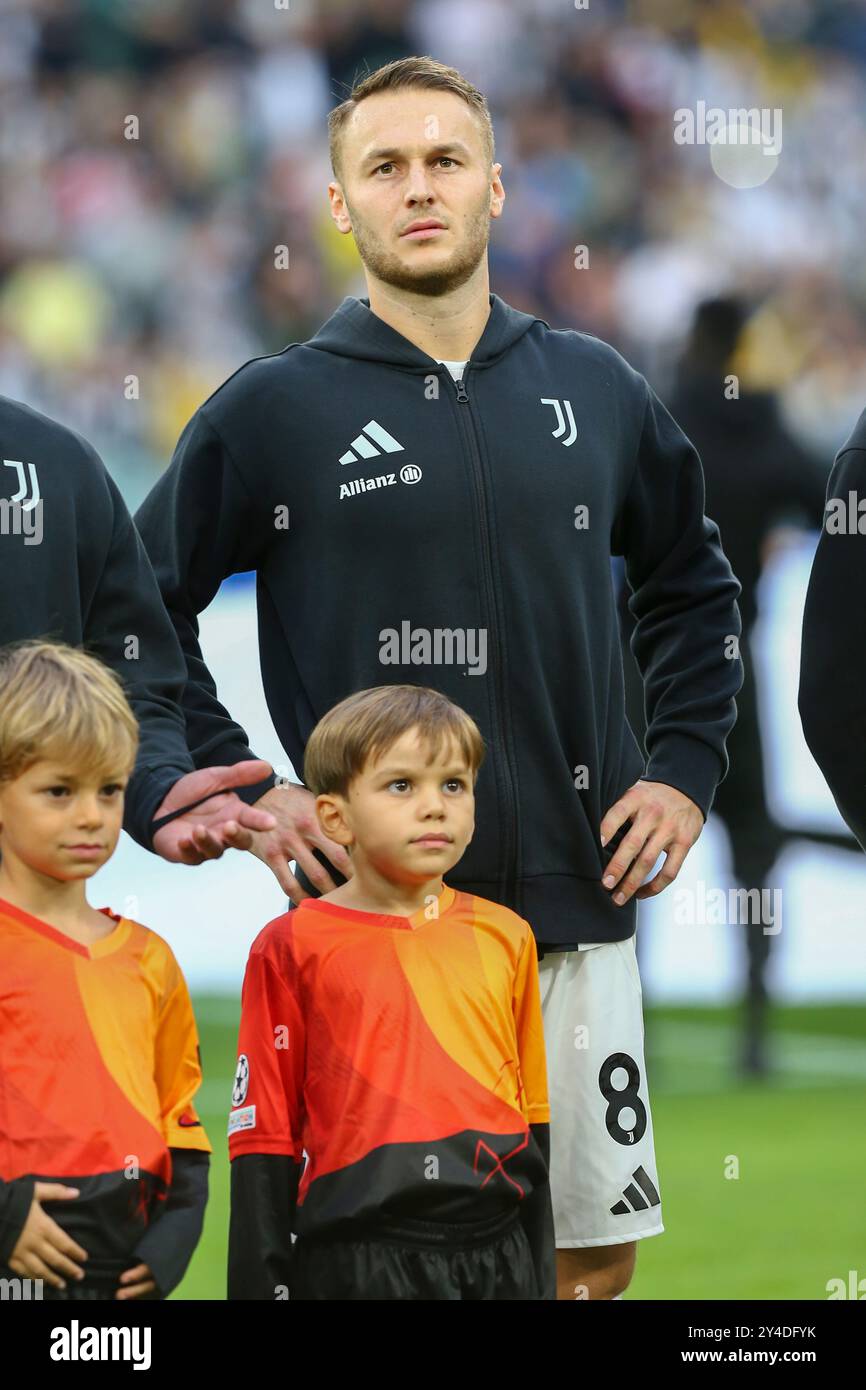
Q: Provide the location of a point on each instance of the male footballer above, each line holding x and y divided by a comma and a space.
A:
430, 490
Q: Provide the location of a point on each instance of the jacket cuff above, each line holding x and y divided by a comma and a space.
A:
16, 1199
145, 793
140, 819
251, 794
227, 754
691, 766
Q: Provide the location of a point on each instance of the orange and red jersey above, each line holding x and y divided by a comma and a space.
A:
99, 1065
403, 1057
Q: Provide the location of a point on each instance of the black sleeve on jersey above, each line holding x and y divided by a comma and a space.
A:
199, 524
684, 603
127, 600
536, 1217
16, 1199
169, 1242
263, 1195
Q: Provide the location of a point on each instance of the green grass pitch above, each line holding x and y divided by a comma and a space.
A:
793, 1219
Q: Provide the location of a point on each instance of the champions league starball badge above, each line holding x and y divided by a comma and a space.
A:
242, 1080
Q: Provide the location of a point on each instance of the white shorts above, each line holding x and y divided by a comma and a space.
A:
603, 1178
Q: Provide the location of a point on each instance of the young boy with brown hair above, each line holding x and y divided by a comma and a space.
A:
391, 1036
103, 1159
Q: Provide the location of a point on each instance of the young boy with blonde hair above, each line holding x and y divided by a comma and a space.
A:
103, 1159
391, 1036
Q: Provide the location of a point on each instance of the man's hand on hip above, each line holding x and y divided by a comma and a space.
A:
296, 833
663, 821
220, 823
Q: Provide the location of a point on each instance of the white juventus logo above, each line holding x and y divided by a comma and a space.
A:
560, 422
22, 485
366, 450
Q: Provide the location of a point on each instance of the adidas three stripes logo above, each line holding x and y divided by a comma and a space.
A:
634, 1200
365, 450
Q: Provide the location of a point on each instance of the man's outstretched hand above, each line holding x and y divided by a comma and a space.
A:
220, 823
296, 834
663, 821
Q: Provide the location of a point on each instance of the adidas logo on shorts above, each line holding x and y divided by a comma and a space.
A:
640, 1200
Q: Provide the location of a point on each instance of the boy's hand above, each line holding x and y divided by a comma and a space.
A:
297, 829
44, 1250
136, 1281
663, 821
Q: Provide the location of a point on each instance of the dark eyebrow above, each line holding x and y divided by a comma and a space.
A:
454, 146
394, 772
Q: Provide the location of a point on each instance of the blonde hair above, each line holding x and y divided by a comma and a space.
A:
58, 703
424, 72
366, 724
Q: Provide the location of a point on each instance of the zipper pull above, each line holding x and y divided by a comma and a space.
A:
461, 390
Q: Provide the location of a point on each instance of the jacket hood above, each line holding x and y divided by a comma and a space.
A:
353, 330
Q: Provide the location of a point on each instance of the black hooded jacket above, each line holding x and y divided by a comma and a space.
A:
407, 528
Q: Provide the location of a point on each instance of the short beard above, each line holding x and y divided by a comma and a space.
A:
431, 284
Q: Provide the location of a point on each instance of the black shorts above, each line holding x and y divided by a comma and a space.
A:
418, 1260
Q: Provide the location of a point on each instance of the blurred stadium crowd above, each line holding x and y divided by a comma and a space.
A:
154, 256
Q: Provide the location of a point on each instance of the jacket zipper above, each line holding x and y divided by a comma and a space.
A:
509, 881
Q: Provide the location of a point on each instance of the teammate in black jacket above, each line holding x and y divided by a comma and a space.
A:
832, 680
430, 490
73, 568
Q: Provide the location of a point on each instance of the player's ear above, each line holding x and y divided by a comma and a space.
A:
329, 809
